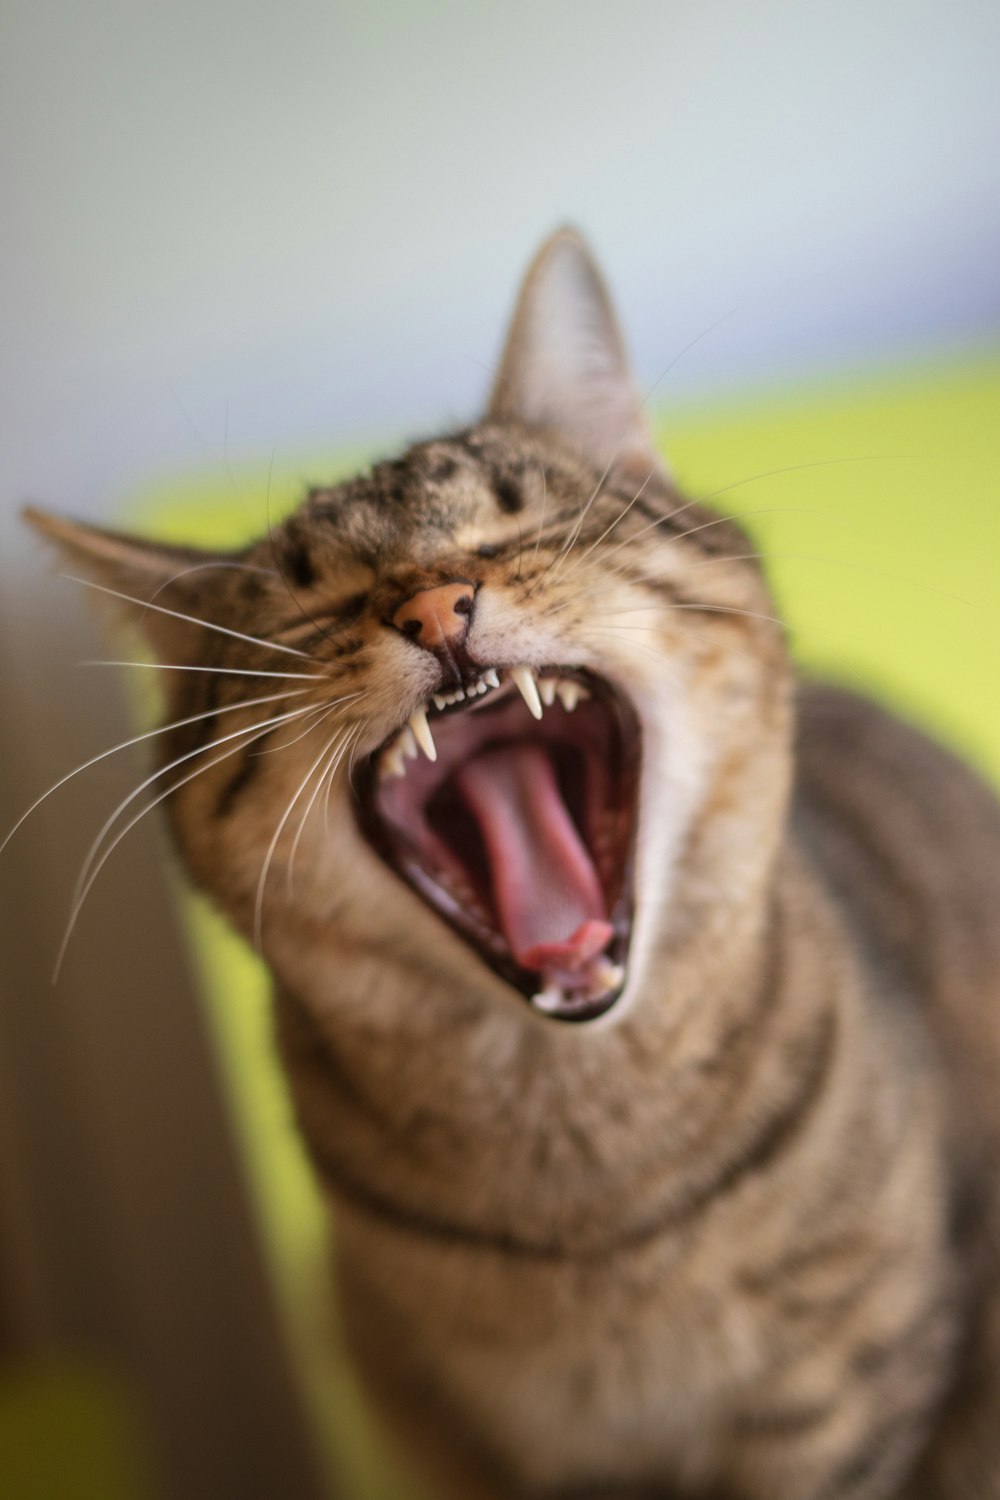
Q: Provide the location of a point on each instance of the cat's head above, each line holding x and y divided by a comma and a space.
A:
505, 714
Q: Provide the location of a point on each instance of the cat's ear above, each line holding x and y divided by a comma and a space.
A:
150, 584
564, 364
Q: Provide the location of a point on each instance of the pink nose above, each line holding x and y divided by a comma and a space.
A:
436, 617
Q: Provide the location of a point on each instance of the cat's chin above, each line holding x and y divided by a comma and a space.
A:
520, 831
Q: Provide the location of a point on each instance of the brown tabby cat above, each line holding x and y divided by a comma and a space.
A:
641, 1005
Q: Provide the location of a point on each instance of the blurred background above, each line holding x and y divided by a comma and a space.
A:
247, 246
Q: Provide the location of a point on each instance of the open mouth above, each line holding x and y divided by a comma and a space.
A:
509, 806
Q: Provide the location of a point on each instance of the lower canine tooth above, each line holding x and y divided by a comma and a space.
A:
608, 975
524, 680
392, 763
422, 733
550, 999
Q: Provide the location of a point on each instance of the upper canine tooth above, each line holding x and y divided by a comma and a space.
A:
422, 733
407, 743
524, 680
490, 678
547, 688
569, 694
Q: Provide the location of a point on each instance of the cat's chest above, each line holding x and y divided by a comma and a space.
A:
563, 1366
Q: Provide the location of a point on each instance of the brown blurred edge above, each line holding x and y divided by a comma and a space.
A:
127, 1234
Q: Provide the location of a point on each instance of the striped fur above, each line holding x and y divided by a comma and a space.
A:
738, 1243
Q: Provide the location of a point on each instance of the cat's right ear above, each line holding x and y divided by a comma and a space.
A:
150, 585
564, 365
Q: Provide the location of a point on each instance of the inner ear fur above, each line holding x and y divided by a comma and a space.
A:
564, 365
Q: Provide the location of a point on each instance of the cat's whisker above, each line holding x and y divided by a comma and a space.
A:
710, 495
258, 916
633, 418
350, 772
843, 562
176, 614
172, 666
322, 710
202, 567
609, 577
83, 890
578, 562
137, 739
541, 523
264, 725
321, 780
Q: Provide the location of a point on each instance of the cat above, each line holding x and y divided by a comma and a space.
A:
640, 1002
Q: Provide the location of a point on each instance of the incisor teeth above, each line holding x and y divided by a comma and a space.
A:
422, 733
524, 680
439, 700
547, 689
490, 678
570, 694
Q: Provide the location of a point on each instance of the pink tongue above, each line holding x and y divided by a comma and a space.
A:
545, 887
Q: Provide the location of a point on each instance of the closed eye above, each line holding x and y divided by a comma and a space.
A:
323, 622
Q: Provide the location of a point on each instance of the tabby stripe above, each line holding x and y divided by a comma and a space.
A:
778, 1130
878, 1454
784, 1422
241, 779
776, 1133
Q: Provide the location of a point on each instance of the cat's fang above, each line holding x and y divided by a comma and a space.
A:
392, 762
422, 734
524, 680
549, 1000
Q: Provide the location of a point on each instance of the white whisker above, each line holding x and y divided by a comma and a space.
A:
258, 916
170, 666
146, 735
322, 710
202, 566
80, 898
325, 777
189, 619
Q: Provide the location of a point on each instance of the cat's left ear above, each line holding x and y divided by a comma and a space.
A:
564, 365
149, 584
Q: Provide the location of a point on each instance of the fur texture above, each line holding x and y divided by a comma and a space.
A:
737, 1239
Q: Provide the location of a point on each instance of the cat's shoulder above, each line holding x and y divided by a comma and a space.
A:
906, 832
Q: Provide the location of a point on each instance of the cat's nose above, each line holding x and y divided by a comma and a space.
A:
437, 618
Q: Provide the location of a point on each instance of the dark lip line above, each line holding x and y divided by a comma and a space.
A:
525, 981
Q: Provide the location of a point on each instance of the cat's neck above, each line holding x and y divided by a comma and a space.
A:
491, 1117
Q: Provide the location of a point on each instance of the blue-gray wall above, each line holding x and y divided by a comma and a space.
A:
314, 213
